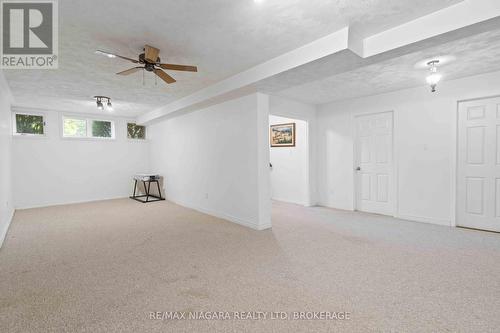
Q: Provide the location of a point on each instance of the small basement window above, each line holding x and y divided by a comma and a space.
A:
29, 124
135, 131
102, 129
74, 127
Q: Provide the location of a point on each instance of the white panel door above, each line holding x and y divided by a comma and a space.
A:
478, 169
374, 163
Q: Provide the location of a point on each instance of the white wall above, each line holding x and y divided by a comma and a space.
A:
53, 170
289, 174
287, 108
216, 160
6, 202
425, 146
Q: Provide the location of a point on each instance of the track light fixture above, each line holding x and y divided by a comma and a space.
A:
100, 104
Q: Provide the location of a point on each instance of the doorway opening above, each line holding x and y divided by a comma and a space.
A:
289, 160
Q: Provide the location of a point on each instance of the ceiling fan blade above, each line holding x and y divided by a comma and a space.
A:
164, 76
112, 55
130, 71
151, 53
179, 67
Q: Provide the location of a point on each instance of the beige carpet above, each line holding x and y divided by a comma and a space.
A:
104, 266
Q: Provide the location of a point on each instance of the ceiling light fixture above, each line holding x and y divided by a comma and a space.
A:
100, 105
107, 54
109, 105
434, 77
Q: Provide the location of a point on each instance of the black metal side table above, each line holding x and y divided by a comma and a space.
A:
146, 181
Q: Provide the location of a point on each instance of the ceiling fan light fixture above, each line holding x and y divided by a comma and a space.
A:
151, 62
109, 55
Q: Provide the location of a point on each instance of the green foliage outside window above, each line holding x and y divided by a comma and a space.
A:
101, 129
29, 124
135, 131
75, 127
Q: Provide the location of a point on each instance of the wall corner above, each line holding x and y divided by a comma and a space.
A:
263, 160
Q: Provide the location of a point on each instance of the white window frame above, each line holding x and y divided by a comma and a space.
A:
76, 118
29, 135
88, 121
135, 139
89, 129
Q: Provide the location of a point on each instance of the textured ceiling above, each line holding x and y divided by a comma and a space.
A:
222, 37
474, 55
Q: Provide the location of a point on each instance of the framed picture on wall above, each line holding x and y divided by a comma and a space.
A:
282, 135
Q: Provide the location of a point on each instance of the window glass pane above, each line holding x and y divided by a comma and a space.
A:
136, 131
29, 124
74, 127
101, 129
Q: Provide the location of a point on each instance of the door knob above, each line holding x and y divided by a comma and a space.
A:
358, 169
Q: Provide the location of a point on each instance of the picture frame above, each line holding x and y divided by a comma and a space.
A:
282, 135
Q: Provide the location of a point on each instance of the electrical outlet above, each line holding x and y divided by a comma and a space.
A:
206, 195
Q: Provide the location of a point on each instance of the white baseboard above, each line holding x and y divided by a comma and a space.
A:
240, 221
290, 201
224, 216
424, 219
5, 229
322, 204
61, 203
